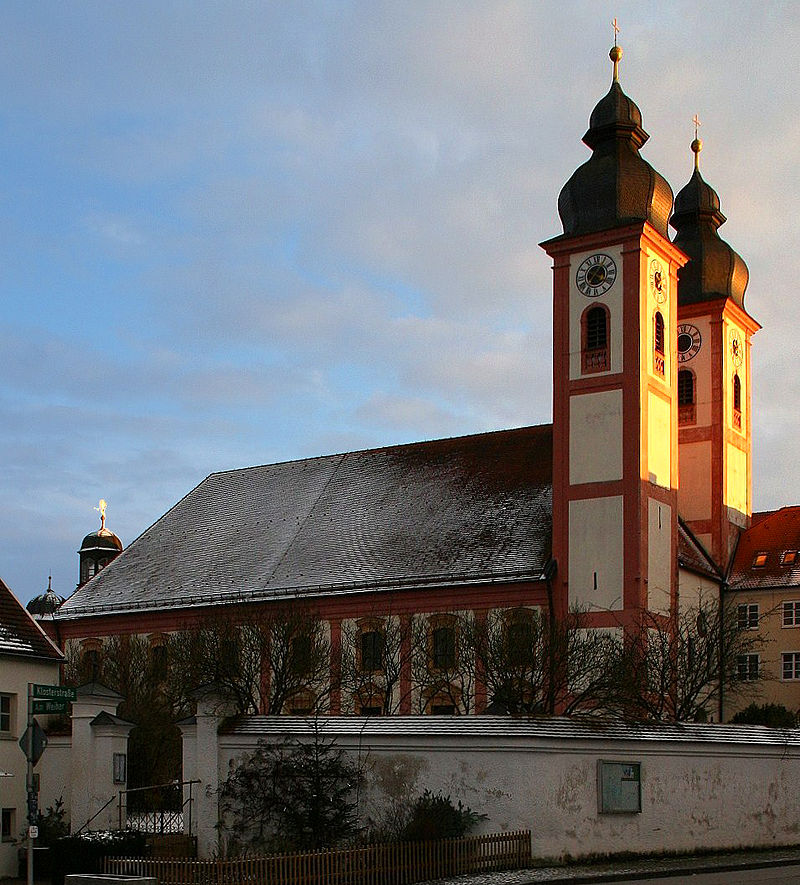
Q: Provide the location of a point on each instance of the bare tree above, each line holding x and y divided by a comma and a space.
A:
267, 660
375, 657
676, 669
443, 665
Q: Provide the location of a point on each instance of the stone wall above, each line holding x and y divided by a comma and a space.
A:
698, 786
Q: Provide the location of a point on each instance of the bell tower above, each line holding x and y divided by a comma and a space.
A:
714, 332
615, 411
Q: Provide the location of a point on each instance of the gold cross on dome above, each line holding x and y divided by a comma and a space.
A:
697, 124
615, 26
101, 509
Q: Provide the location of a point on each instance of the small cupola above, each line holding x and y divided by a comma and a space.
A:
43, 605
615, 186
98, 548
714, 270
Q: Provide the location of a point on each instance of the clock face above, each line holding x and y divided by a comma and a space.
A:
596, 275
737, 349
689, 342
658, 281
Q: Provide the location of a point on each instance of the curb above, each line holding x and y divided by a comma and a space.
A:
700, 866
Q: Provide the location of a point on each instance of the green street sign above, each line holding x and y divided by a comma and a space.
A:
55, 692
40, 707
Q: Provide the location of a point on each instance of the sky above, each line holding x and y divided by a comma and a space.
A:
234, 233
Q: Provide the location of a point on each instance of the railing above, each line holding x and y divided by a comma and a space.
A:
595, 360
399, 863
165, 808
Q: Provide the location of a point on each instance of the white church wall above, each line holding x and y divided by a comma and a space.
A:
659, 555
701, 787
596, 553
695, 470
595, 437
659, 440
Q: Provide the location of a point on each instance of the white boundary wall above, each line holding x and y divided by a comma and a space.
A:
702, 786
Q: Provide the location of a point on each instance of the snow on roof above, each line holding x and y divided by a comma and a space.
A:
461, 510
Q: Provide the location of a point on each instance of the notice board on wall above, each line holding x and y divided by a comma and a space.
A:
619, 787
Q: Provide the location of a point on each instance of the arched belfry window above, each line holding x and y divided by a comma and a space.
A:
658, 343
595, 338
686, 397
737, 402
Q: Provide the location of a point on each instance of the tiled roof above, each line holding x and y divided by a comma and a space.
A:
774, 534
19, 633
692, 556
497, 729
468, 509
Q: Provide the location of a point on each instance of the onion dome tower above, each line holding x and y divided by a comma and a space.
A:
615, 450
98, 549
43, 606
714, 270
714, 402
615, 185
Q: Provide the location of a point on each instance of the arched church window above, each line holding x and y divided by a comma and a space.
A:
686, 397
658, 343
737, 402
595, 324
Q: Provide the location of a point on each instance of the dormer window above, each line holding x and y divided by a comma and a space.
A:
789, 557
658, 344
760, 560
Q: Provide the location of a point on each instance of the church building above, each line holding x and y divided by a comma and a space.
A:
634, 504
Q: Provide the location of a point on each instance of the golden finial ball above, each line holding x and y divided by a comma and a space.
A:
616, 53
697, 145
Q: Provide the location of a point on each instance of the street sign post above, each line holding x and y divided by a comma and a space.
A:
41, 699
43, 707
54, 692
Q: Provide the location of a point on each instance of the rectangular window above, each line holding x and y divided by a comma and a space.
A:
748, 616
6, 709
444, 648
120, 768
7, 828
760, 560
789, 557
747, 667
791, 613
790, 665
371, 651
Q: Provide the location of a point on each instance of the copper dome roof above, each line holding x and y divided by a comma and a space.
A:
714, 270
615, 186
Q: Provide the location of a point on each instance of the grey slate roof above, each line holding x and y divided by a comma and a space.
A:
20, 635
505, 727
462, 510
692, 555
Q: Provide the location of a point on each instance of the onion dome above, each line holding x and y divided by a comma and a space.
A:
102, 539
46, 603
714, 270
615, 186
98, 549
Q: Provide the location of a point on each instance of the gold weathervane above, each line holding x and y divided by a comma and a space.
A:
616, 51
101, 509
697, 144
